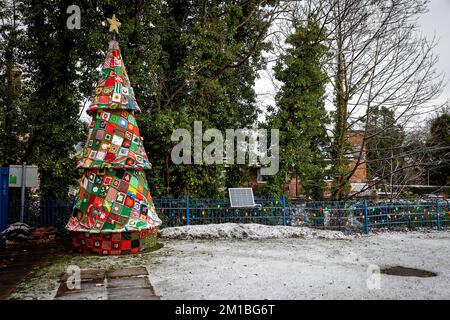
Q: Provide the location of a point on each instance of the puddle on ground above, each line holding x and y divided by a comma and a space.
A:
407, 272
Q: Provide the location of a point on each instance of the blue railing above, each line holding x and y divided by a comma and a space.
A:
363, 215
185, 211
359, 216
4, 177
42, 212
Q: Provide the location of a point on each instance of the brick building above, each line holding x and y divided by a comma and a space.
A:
358, 180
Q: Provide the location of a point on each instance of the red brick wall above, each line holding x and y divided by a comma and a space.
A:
360, 175
290, 188
356, 138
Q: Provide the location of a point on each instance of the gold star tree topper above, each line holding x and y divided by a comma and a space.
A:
114, 24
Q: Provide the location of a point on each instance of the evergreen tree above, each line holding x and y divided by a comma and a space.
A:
195, 60
52, 95
439, 146
385, 144
210, 55
12, 129
301, 114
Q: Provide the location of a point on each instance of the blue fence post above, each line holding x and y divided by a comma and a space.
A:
4, 185
187, 210
366, 217
438, 214
284, 209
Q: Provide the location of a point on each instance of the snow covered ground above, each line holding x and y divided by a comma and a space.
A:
292, 268
247, 231
298, 264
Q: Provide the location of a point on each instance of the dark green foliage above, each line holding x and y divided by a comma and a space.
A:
384, 144
11, 120
439, 154
52, 95
301, 114
209, 57
187, 60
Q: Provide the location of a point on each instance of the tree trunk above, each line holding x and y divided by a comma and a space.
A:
341, 121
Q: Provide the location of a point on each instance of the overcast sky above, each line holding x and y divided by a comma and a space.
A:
437, 22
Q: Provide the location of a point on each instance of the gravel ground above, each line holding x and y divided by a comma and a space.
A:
270, 268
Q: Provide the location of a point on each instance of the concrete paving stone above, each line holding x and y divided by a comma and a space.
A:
87, 286
131, 294
127, 272
123, 284
86, 275
132, 282
84, 295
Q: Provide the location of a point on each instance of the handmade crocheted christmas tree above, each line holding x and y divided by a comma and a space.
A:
114, 212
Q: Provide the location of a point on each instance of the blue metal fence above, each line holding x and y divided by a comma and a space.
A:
4, 176
363, 216
42, 212
357, 216
186, 211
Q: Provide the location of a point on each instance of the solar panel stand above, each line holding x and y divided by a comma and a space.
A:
242, 198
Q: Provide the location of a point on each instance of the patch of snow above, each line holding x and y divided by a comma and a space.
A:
17, 231
247, 231
290, 268
298, 269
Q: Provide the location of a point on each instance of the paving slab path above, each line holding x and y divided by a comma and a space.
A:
97, 284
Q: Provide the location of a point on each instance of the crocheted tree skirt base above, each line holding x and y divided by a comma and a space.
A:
114, 243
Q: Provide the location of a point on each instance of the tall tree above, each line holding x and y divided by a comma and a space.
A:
379, 58
12, 131
438, 143
59, 81
301, 114
52, 95
195, 60
210, 55
384, 151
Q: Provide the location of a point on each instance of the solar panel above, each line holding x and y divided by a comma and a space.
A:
241, 197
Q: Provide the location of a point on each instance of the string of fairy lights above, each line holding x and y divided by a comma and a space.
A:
271, 212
